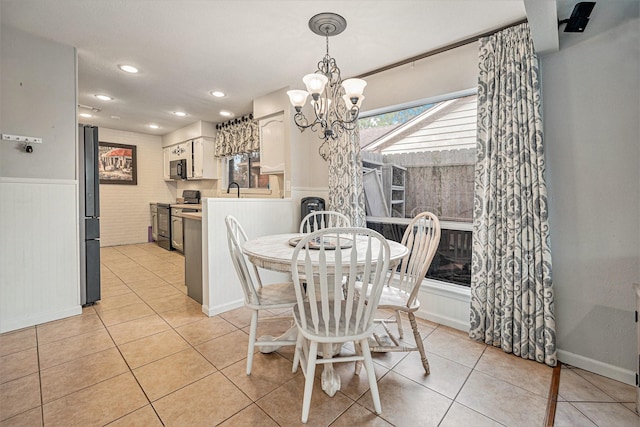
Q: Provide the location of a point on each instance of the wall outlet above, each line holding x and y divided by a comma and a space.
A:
20, 138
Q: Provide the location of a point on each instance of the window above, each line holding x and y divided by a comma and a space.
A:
245, 170
433, 143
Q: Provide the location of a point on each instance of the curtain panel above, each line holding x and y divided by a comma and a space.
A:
346, 191
237, 137
511, 288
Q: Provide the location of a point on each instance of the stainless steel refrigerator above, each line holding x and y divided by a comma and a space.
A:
89, 196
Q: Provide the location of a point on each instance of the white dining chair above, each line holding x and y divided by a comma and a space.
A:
329, 312
422, 238
256, 296
323, 219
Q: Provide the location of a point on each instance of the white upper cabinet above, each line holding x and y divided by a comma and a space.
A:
205, 165
272, 144
166, 159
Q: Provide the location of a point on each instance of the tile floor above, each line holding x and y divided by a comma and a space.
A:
146, 355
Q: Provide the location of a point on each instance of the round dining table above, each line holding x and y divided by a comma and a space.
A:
274, 252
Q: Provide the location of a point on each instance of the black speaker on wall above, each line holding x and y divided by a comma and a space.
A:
579, 18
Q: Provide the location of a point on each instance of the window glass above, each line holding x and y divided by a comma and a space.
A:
245, 170
431, 150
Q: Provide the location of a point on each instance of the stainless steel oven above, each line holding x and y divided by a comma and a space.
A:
164, 226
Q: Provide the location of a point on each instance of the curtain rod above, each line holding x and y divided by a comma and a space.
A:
440, 49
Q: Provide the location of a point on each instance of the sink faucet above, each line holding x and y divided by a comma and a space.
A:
236, 184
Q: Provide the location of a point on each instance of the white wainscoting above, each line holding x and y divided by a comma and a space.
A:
39, 270
221, 288
445, 304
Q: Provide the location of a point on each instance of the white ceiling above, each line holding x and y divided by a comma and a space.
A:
186, 48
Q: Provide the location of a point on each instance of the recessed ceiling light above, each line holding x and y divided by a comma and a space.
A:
115, 117
217, 93
180, 113
128, 68
152, 126
104, 97
226, 113
85, 115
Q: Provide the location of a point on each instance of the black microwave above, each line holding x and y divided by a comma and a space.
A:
178, 169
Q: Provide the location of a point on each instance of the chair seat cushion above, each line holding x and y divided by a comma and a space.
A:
392, 297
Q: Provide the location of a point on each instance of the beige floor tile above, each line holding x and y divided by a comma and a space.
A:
98, 404
358, 415
112, 290
172, 303
143, 417
250, 416
192, 405
284, 404
117, 301
568, 416
67, 378
17, 365
184, 315
154, 347
389, 359
501, 401
454, 346
240, 317
446, 377
225, 350
149, 294
69, 327
575, 388
67, 349
139, 328
204, 330
400, 397
608, 414
125, 314
31, 418
528, 374
632, 406
175, 278
620, 392
272, 327
269, 371
155, 282
459, 415
167, 375
19, 396
137, 274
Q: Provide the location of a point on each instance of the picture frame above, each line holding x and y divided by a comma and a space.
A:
117, 163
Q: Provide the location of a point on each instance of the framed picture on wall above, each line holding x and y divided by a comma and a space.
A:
117, 164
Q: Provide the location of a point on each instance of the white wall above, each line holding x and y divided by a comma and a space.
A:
591, 96
124, 209
39, 265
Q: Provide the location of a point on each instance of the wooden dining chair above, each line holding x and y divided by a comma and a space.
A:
329, 311
256, 296
323, 219
422, 237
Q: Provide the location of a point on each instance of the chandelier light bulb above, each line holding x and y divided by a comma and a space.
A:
354, 88
315, 83
298, 98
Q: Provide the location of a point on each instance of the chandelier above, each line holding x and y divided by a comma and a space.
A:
336, 103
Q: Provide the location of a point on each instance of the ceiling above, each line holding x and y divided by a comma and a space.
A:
184, 48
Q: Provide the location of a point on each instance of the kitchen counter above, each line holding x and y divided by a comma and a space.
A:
192, 215
186, 206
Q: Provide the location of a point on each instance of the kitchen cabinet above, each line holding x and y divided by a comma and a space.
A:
272, 144
154, 221
205, 165
193, 258
177, 239
166, 159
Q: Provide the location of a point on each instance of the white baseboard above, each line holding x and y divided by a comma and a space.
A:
218, 309
445, 304
25, 322
606, 370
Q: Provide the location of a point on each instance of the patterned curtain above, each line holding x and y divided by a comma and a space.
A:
511, 288
346, 194
237, 137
